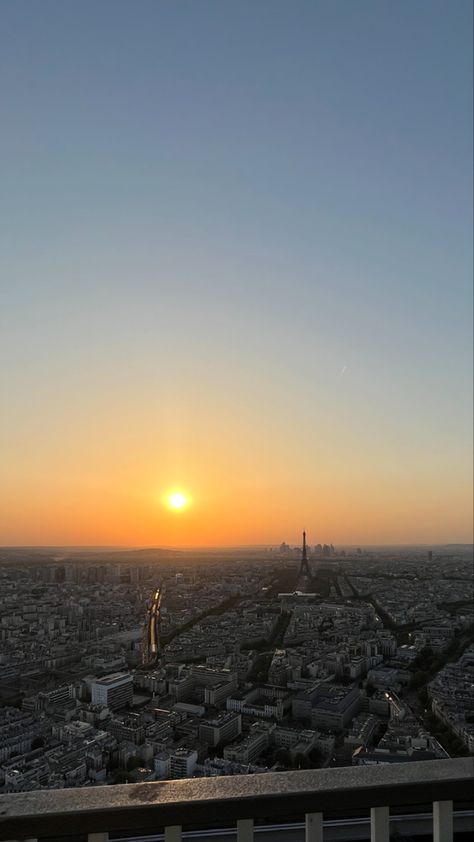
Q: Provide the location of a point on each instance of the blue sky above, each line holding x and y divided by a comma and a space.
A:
261, 207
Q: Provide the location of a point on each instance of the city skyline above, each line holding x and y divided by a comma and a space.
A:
133, 667
237, 267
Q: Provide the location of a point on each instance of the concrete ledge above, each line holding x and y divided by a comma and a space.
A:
207, 801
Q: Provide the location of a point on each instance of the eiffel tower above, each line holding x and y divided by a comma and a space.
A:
304, 566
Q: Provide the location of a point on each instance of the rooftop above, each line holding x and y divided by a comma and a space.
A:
113, 678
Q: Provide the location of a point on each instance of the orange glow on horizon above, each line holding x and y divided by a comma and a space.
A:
246, 480
237, 515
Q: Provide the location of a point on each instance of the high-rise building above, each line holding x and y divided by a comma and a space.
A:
183, 762
114, 691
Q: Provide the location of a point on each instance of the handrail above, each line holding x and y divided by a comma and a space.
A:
205, 801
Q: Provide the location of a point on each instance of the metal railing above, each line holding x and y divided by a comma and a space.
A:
243, 800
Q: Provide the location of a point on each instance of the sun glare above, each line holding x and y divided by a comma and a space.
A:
176, 500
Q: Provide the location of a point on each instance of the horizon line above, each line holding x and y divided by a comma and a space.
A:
184, 547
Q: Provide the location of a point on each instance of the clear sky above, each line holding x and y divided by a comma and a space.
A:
236, 261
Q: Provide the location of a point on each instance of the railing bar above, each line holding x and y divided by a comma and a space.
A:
245, 830
442, 821
380, 824
314, 827
173, 833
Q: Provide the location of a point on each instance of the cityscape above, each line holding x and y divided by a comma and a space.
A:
134, 666
236, 426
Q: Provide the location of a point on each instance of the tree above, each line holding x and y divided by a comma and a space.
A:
424, 658
419, 679
316, 756
133, 762
121, 778
423, 695
302, 762
283, 757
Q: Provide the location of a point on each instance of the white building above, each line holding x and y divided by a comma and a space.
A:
183, 763
114, 691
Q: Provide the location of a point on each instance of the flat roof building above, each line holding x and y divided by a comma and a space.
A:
221, 729
114, 691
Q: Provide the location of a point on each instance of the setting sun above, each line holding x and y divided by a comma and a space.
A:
176, 500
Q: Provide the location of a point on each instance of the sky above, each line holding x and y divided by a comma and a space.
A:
236, 262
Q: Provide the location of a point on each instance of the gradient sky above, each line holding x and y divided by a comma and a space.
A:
236, 260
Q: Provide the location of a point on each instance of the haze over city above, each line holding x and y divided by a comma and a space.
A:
237, 266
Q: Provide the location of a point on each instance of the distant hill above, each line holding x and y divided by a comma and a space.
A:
9, 555
128, 555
